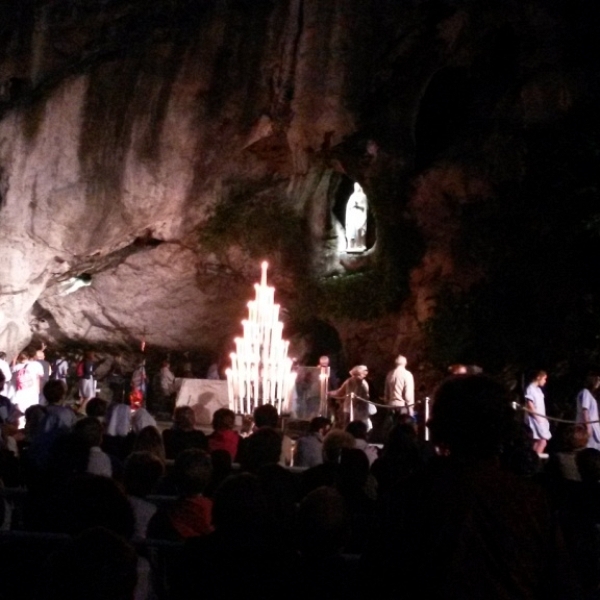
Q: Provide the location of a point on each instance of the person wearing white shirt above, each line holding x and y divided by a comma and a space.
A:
587, 410
5, 367
536, 415
400, 387
27, 376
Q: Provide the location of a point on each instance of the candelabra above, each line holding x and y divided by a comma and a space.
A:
261, 372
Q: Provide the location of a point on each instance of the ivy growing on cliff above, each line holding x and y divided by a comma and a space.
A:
264, 226
358, 296
260, 225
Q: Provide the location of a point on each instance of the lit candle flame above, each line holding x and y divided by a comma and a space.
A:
261, 369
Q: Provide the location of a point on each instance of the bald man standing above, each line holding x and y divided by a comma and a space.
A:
400, 387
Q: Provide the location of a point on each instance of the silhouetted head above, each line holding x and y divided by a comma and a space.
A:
89, 431
94, 501
333, 444
54, 391
192, 471
240, 505
150, 439
96, 565
324, 523
96, 407
34, 415
266, 415
263, 447
354, 469
357, 429
588, 463
571, 437
223, 419
317, 424
471, 416
143, 471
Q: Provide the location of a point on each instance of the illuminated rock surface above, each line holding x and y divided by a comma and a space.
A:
166, 147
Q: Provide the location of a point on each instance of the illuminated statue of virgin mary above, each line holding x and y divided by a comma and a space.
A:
356, 221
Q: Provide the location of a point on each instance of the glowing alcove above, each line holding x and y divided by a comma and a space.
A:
351, 207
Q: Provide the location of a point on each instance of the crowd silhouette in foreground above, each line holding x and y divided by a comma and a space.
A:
107, 506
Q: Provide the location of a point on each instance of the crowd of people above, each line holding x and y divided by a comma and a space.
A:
102, 503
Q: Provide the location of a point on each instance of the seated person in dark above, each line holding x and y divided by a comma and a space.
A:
241, 554
327, 472
223, 436
191, 514
266, 415
183, 435
309, 448
324, 531
262, 448
465, 527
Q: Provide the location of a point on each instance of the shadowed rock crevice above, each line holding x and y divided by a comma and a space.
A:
98, 264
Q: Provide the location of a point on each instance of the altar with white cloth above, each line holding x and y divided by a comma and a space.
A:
205, 396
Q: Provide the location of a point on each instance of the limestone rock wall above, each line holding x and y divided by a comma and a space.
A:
166, 147
115, 133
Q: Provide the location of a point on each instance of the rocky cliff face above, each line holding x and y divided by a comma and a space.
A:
165, 148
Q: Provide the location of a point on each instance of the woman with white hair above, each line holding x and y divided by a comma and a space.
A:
352, 394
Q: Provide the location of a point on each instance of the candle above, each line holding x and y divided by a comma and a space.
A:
249, 383
234, 381
230, 389
255, 375
263, 276
324, 378
240, 383
269, 371
261, 370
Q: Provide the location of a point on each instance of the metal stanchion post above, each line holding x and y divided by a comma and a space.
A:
426, 418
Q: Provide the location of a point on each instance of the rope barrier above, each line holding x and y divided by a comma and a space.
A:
517, 406
388, 406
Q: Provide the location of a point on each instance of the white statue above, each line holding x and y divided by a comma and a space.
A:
74, 283
356, 221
